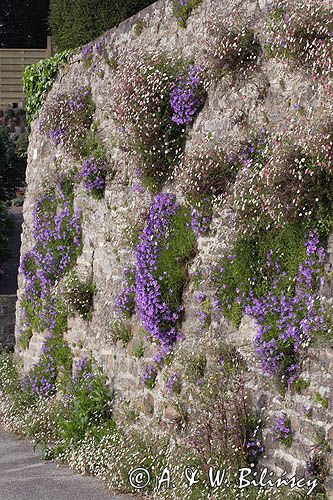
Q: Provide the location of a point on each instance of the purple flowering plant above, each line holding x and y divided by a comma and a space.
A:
173, 384
57, 234
188, 95
167, 240
125, 301
282, 430
95, 55
93, 175
156, 283
88, 401
54, 366
279, 290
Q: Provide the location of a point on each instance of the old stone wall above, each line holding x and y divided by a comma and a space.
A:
232, 108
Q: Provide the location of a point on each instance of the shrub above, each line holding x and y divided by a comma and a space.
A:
6, 224
12, 166
144, 114
38, 79
82, 21
230, 49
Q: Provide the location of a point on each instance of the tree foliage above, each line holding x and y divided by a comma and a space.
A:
12, 166
77, 22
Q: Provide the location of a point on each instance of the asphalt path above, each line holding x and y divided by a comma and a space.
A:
25, 476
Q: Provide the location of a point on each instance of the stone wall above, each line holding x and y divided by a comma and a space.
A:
232, 108
7, 321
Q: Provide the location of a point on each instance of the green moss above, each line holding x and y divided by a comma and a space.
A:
322, 400
247, 270
139, 26
177, 249
183, 12
300, 385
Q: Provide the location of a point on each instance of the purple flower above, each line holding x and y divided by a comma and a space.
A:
187, 96
93, 174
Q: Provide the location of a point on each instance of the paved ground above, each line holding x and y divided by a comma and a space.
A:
24, 476
9, 268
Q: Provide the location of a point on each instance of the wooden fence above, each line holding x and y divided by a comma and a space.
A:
12, 64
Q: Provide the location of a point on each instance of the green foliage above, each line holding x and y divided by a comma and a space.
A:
287, 441
92, 145
321, 399
6, 225
300, 385
12, 166
247, 269
144, 110
121, 332
177, 249
196, 367
89, 404
38, 79
9, 379
139, 26
139, 350
54, 367
78, 296
322, 442
183, 12
80, 21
